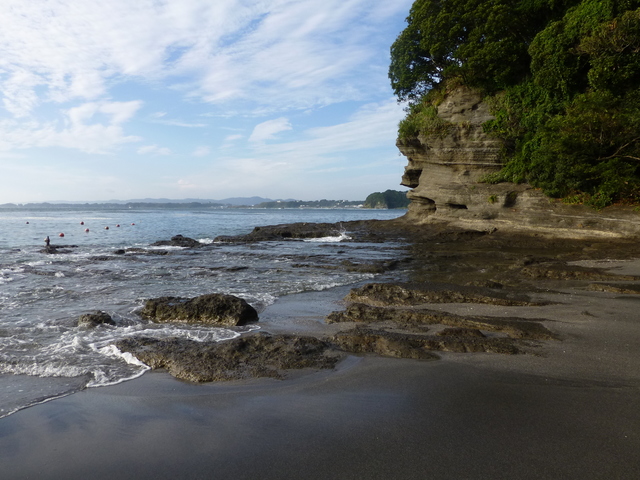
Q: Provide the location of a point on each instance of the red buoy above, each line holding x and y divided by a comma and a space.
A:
86, 230
81, 223
61, 234
117, 224
27, 223
133, 224
106, 228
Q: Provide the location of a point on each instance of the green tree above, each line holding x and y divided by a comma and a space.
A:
562, 78
387, 199
482, 42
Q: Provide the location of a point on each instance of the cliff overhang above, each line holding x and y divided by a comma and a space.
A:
445, 173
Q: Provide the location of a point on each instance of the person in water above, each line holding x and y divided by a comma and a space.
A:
47, 241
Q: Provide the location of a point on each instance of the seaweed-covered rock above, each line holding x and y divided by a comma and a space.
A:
94, 319
214, 308
258, 355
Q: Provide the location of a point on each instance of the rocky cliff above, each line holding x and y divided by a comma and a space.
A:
444, 173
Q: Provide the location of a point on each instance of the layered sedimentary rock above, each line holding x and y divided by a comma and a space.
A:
445, 173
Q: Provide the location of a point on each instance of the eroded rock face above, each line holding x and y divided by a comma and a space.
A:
443, 169
214, 308
444, 172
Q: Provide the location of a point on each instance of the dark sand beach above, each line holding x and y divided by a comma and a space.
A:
570, 410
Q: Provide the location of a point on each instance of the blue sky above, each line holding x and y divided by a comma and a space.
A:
197, 99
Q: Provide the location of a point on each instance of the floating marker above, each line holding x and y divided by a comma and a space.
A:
133, 224
61, 234
86, 230
81, 223
106, 228
117, 224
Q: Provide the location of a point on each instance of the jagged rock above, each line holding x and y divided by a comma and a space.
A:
94, 319
178, 241
257, 355
214, 308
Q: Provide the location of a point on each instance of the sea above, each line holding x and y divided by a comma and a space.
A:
44, 354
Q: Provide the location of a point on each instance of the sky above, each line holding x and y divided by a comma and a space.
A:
205, 99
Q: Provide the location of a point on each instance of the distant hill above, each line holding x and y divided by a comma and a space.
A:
310, 204
249, 201
145, 203
388, 199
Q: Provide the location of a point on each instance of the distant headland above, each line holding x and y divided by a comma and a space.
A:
389, 199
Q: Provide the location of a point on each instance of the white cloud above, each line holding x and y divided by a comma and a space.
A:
184, 184
291, 53
77, 74
201, 151
94, 127
233, 138
371, 127
356, 148
269, 129
153, 150
179, 123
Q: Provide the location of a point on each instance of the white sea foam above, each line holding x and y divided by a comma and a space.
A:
338, 238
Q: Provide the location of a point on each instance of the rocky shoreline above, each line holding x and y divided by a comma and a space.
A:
447, 266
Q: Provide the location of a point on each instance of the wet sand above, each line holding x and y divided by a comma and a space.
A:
572, 411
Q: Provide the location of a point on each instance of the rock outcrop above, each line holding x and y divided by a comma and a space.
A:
94, 319
214, 309
258, 355
290, 231
444, 173
178, 241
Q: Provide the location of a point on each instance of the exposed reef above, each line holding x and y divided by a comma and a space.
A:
290, 231
257, 355
449, 271
178, 241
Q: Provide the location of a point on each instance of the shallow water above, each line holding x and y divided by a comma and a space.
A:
44, 354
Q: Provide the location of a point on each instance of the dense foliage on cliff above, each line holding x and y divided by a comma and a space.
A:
562, 77
387, 199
